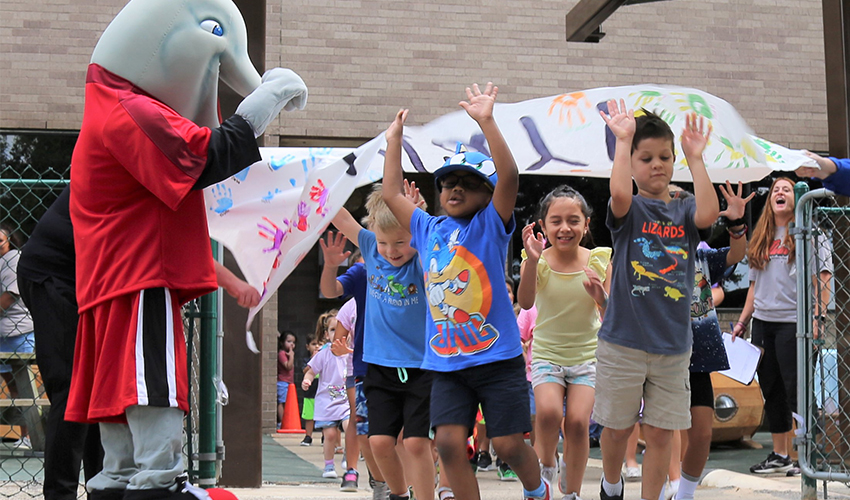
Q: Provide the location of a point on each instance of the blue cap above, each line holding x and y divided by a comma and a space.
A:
469, 161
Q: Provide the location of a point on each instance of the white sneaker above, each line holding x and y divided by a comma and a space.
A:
329, 471
562, 478
671, 490
22, 444
548, 473
631, 473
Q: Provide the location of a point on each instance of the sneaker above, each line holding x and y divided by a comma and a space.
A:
380, 490
605, 496
483, 461
329, 472
399, 497
548, 473
349, 481
22, 444
548, 493
562, 477
671, 489
794, 470
506, 474
773, 463
631, 473
307, 441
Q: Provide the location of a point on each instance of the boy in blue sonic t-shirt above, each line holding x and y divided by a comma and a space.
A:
397, 389
473, 343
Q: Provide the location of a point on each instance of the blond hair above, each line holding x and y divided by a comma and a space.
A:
323, 323
378, 214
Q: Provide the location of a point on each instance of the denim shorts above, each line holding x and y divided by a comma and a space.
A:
282, 391
321, 424
361, 410
18, 344
543, 372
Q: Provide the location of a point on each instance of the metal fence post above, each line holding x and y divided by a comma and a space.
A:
207, 405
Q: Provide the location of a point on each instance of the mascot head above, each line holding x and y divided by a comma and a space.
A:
176, 51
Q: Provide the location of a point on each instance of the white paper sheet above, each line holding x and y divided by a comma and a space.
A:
743, 359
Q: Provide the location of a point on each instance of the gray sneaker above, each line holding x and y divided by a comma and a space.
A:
380, 490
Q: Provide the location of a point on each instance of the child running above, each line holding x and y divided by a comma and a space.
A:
398, 391
331, 411
473, 343
645, 341
569, 285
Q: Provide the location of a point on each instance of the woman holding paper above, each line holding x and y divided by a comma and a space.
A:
772, 305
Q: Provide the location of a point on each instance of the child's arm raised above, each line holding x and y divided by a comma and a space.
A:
534, 245
347, 225
480, 109
335, 254
735, 209
694, 139
622, 124
393, 191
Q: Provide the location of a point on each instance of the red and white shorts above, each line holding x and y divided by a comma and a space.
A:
130, 350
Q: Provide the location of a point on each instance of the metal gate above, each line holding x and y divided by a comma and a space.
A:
823, 341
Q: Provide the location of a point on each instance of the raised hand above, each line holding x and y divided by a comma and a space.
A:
619, 119
827, 167
334, 250
735, 204
396, 128
411, 192
534, 244
480, 104
593, 286
339, 347
695, 136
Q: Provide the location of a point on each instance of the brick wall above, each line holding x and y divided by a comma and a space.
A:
364, 59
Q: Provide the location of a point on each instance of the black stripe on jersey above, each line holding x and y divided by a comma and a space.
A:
154, 338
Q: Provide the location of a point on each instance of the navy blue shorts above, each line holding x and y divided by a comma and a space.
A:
500, 388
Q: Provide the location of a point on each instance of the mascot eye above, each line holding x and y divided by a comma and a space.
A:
212, 27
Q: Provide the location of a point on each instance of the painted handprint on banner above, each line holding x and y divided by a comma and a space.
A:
270, 195
274, 234
319, 194
224, 198
303, 211
572, 107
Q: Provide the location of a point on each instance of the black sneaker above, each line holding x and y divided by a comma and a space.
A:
349, 481
605, 496
483, 461
794, 470
307, 441
773, 463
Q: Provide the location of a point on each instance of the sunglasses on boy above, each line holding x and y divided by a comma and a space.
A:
470, 182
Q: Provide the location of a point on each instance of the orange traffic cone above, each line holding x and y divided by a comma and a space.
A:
291, 423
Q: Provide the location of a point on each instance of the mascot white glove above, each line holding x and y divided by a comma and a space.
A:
281, 89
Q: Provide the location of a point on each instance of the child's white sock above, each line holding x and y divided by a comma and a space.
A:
612, 489
687, 487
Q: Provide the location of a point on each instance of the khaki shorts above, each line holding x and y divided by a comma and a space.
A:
625, 375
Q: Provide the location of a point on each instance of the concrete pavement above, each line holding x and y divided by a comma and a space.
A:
293, 471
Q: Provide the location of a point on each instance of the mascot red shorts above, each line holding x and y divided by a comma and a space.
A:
130, 351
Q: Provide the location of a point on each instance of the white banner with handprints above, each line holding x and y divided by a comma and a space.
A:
271, 214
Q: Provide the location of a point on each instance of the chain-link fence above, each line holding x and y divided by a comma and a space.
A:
823, 326
25, 194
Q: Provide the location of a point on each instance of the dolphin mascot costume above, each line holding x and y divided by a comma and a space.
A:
149, 143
